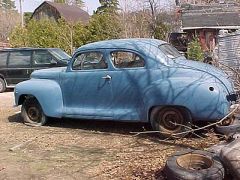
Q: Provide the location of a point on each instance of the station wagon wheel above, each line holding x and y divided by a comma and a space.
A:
32, 112
2, 85
169, 121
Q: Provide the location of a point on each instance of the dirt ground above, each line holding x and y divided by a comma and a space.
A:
81, 149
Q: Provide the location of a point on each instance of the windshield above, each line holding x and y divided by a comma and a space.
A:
169, 51
60, 54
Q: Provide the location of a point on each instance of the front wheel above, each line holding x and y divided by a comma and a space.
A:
170, 121
32, 112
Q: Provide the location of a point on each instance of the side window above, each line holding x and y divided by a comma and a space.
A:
124, 59
3, 58
42, 57
89, 60
19, 58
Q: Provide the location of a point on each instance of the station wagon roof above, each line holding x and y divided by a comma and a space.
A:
133, 43
25, 48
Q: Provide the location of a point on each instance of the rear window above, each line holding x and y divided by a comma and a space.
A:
19, 58
3, 58
169, 51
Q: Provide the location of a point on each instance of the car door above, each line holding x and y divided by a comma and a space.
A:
19, 66
128, 80
86, 87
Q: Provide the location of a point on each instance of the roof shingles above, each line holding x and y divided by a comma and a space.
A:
210, 16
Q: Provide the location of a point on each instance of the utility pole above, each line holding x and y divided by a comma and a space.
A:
21, 12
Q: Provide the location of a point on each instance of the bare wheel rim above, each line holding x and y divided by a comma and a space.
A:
195, 162
171, 120
34, 114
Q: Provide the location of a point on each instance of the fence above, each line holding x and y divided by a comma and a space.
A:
229, 55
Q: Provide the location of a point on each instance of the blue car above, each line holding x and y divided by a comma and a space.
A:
134, 80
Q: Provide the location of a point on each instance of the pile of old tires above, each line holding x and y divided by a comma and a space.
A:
221, 161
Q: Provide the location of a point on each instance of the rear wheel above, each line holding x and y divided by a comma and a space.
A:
32, 112
2, 85
170, 121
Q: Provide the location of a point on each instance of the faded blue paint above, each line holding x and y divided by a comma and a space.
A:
132, 92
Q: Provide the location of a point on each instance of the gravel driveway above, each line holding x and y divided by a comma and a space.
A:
81, 149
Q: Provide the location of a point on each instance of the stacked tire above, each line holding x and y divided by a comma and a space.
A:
194, 164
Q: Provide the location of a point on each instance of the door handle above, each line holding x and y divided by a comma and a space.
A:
107, 77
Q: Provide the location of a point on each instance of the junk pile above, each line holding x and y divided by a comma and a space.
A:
221, 161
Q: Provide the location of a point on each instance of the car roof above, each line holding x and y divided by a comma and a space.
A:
133, 44
25, 48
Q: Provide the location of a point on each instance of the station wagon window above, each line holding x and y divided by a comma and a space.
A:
3, 58
42, 57
124, 59
19, 58
89, 60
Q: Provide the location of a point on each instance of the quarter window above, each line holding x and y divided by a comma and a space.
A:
20, 58
3, 58
123, 59
42, 57
89, 60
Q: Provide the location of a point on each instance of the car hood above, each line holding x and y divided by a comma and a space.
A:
51, 73
204, 68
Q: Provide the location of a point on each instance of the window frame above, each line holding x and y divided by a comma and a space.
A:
6, 62
89, 51
128, 51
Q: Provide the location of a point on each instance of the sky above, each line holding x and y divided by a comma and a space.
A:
31, 5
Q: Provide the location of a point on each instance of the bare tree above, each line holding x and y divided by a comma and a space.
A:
145, 18
135, 19
8, 20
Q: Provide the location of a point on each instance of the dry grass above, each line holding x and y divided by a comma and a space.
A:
72, 149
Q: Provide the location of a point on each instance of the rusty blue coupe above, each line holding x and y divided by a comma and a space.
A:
137, 80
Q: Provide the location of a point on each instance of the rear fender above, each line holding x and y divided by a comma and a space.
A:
193, 95
47, 92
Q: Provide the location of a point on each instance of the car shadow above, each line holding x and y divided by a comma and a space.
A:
90, 125
110, 127
16, 118
99, 125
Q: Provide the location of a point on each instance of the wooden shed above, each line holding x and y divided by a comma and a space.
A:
55, 11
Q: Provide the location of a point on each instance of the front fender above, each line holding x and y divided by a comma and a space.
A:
47, 92
193, 94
